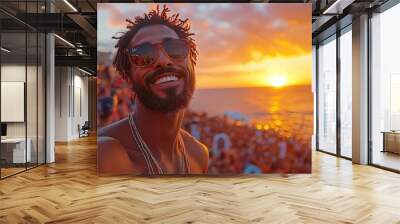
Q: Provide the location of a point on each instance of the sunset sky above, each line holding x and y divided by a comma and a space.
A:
240, 45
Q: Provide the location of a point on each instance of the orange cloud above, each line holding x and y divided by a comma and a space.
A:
243, 41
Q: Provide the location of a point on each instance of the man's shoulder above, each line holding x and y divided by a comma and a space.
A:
112, 156
196, 149
187, 137
114, 129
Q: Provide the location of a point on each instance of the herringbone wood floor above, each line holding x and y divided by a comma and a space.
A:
69, 191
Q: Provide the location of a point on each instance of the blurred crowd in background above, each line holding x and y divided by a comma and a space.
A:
114, 96
237, 147
234, 146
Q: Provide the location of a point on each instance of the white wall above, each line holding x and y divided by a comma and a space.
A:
61, 103
81, 82
12, 73
81, 100
71, 93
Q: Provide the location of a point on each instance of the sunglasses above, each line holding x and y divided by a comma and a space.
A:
146, 54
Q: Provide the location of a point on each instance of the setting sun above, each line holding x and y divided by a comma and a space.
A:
277, 81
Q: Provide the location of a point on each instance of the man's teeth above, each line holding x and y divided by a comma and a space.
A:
166, 79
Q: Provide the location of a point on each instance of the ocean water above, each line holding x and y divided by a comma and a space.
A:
287, 108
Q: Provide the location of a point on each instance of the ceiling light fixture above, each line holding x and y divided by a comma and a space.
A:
65, 41
70, 5
333, 6
5, 49
86, 72
337, 7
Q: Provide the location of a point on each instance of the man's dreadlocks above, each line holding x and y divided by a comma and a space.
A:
181, 27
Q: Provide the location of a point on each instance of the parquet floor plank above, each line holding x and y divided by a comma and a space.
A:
69, 191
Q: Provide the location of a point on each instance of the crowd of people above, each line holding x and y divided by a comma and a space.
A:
114, 96
237, 147
234, 146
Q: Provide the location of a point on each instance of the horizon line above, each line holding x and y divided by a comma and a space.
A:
246, 87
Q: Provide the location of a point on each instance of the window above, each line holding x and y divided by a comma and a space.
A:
346, 93
327, 96
385, 89
23, 77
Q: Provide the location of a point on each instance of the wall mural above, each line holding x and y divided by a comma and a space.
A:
216, 88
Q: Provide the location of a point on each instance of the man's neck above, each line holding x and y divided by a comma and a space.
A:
159, 130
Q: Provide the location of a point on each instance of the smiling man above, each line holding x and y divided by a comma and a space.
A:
157, 57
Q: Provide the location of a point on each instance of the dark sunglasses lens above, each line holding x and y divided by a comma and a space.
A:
176, 48
142, 55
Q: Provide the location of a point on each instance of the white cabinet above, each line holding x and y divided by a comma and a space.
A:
17, 146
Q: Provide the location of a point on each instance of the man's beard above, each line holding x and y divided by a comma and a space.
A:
173, 101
